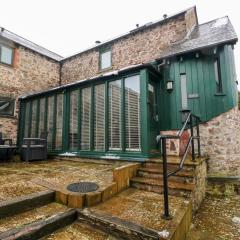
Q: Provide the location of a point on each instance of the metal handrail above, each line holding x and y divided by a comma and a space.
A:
163, 138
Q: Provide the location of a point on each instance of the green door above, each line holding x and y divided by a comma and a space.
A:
153, 115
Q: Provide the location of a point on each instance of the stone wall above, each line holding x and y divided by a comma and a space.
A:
220, 139
139, 47
31, 72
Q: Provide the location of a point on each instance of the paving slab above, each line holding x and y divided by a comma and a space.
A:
142, 208
217, 219
17, 179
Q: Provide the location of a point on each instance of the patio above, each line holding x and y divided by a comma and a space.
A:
19, 179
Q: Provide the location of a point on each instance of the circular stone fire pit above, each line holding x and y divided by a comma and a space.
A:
82, 187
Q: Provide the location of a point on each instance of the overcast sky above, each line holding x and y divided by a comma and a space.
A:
69, 26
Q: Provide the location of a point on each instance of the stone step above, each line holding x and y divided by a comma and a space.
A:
159, 176
182, 173
159, 189
121, 229
154, 165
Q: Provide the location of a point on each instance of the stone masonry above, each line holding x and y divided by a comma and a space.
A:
138, 47
31, 72
220, 140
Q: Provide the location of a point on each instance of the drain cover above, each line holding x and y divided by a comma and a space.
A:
82, 187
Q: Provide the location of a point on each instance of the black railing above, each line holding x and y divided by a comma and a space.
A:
190, 121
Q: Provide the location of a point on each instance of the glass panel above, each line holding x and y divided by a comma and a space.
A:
114, 90
73, 121
105, 59
27, 122
41, 116
85, 118
59, 122
217, 76
6, 55
34, 119
132, 113
7, 106
184, 91
99, 117
50, 120
152, 100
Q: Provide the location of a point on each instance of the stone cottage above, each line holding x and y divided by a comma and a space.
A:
113, 99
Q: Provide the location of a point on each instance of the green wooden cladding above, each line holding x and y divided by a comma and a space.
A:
200, 80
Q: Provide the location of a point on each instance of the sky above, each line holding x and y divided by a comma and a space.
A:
69, 26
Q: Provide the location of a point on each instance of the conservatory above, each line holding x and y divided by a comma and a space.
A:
109, 116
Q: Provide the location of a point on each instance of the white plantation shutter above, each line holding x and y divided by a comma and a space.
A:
27, 122
41, 116
132, 113
99, 117
50, 120
114, 99
86, 118
34, 118
73, 128
59, 122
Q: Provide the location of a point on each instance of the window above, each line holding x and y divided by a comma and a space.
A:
7, 107
73, 121
218, 78
183, 80
132, 113
6, 55
99, 117
114, 103
59, 121
50, 121
85, 118
34, 119
41, 126
105, 59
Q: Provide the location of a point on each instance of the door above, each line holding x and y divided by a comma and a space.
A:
153, 115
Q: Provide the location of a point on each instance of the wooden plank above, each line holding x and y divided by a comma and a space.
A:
25, 203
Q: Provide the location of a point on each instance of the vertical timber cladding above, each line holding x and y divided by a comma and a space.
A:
96, 119
203, 98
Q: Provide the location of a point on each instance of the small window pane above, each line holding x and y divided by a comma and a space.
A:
99, 117
6, 106
41, 116
6, 55
114, 102
34, 119
132, 113
73, 128
184, 91
217, 76
59, 122
86, 118
105, 59
50, 123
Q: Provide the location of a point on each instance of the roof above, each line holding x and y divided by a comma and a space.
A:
28, 44
136, 30
209, 34
97, 77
